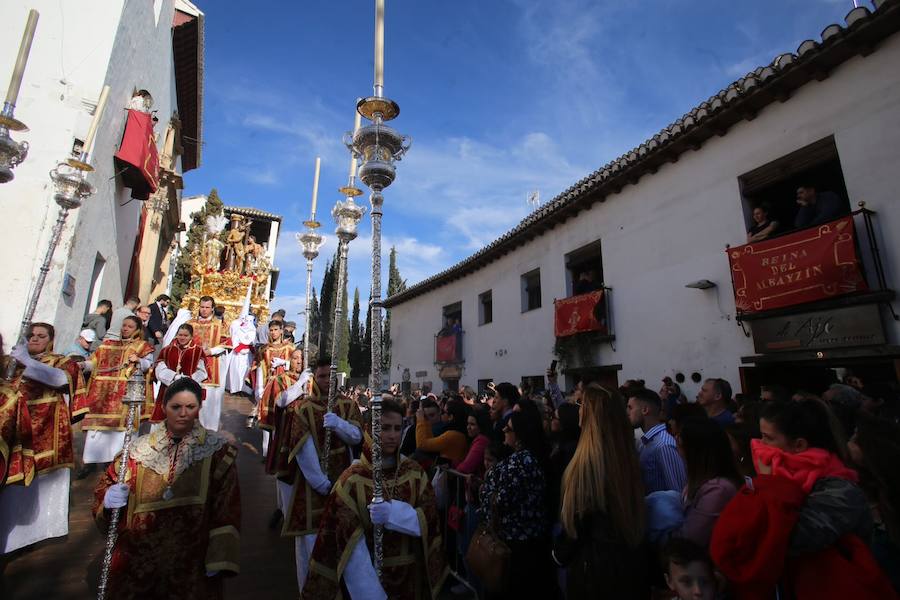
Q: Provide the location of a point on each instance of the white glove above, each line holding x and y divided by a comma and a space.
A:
116, 496
20, 353
349, 433
295, 391
396, 515
279, 362
380, 512
216, 351
324, 488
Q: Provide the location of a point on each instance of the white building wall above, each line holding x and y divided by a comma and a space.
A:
78, 47
670, 229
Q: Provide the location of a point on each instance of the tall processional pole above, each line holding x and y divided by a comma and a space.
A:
347, 215
72, 187
310, 241
378, 147
134, 399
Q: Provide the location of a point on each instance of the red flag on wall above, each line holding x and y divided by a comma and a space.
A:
578, 314
445, 348
804, 266
137, 158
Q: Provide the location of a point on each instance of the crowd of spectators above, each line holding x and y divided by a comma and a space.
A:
633, 493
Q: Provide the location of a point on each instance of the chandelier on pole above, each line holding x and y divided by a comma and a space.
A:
12, 153
378, 147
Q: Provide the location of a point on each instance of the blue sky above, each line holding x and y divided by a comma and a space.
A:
500, 97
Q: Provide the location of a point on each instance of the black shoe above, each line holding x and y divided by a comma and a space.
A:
275, 519
86, 470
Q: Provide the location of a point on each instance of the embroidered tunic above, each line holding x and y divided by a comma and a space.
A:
174, 360
36, 512
102, 406
166, 547
413, 567
16, 453
208, 333
303, 421
48, 408
274, 381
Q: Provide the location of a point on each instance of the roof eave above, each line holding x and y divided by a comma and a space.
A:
740, 101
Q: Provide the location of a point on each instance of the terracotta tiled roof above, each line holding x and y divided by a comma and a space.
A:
252, 212
742, 100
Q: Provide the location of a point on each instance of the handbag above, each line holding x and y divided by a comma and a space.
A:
488, 556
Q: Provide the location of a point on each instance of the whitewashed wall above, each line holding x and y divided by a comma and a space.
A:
78, 47
670, 229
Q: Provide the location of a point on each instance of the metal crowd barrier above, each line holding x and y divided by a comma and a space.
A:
458, 520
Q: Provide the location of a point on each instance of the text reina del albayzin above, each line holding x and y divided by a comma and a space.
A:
785, 271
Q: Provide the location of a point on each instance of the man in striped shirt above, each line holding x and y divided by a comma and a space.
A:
662, 468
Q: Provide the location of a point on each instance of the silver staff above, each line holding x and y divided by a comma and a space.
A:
310, 242
377, 480
12, 153
347, 215
378, 148
71, 190
134, 398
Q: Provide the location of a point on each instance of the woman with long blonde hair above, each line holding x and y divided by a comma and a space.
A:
602, 508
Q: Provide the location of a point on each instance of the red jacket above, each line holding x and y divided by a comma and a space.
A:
750, 546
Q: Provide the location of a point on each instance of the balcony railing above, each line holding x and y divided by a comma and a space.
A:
836, 260
582, 314
448, 347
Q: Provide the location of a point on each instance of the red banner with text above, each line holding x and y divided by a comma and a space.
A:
808, 265
579, 314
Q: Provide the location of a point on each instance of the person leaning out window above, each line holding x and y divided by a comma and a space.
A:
763, 225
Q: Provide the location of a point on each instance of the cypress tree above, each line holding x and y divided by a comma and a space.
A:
343, 356
326, 308
355, 339
396, 284
181, 282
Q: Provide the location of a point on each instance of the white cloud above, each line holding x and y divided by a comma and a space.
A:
416, 261
260, 175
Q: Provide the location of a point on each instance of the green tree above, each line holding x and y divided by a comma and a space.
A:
326, 309
315, 320
355, 338
396, 284
366, 335
196, 235
343, 354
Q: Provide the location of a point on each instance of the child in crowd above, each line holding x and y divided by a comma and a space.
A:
689, 570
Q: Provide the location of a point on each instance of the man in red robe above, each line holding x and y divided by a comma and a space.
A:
302, 483
413, 565
181, 358
48, 383
209, 334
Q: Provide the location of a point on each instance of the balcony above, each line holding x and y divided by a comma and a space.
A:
448, 347
833, 264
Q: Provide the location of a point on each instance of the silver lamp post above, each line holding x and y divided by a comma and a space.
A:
12, 153
378, 147
310, 242
71, 190
347, 215
377, 481
134, 398
72, 187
